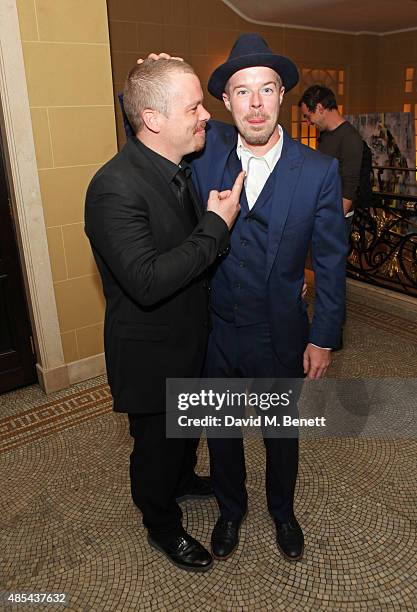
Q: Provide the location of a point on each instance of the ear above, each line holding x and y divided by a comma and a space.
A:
319, 108
281, 94
226, 101
152, 119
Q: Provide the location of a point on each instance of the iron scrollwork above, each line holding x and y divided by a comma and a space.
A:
383, 245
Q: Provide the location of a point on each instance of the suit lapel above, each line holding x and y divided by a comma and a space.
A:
154, 179
233, 168
210, 172
159, 184
286, 177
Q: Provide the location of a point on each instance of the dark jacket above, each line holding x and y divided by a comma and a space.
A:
153, 274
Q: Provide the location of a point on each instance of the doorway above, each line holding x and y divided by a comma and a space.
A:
17, 355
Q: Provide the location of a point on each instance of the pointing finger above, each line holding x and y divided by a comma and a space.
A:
237, 187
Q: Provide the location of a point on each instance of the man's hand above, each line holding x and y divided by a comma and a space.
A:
316, 361
226, 203
157, 56
347, 206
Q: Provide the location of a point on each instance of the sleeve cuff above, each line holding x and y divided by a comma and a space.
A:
325, 348
214, 224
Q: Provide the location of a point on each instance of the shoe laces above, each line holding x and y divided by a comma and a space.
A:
226, 526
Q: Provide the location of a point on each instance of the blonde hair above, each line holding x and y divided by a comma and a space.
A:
148, 85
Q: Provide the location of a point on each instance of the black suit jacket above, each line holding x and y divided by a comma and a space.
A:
153, 274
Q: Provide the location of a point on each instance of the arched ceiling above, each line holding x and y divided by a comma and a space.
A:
352, 16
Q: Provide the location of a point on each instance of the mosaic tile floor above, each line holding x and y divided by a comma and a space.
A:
67, 524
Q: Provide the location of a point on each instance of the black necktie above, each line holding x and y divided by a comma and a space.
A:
184, 196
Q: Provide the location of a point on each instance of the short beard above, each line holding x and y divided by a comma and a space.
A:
257, 138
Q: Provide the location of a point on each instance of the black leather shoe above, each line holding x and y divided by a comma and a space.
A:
200, 488
225, 538
185, 552
290, 539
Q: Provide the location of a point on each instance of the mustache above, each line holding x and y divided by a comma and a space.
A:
200, 126
257, 116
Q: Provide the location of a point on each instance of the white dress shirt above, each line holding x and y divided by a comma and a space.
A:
257, 168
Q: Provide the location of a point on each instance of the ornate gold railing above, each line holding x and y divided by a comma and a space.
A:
383, 245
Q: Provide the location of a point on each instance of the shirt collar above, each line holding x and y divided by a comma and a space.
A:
165, 166
271, 157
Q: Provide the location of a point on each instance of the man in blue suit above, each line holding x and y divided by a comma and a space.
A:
292, 199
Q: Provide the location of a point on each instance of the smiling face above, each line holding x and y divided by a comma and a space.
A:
182, 130
254, 96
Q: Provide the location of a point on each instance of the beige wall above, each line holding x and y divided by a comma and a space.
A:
68, 73
363, 75
203, 33
396, 53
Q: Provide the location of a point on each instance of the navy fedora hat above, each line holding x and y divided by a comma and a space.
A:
251, 50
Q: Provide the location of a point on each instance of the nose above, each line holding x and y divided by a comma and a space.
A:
256, 100
204, 114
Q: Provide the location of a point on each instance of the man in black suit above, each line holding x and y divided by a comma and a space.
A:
152, 244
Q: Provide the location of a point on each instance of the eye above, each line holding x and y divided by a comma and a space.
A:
241, 92
267, 90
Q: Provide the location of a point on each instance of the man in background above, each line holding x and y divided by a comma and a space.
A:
152, 243
338, 138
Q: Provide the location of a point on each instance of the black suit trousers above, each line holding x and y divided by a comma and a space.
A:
161, 469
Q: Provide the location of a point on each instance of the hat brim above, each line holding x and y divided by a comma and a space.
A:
282, 65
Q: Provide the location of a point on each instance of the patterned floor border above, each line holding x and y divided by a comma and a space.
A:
55, 416
380, 319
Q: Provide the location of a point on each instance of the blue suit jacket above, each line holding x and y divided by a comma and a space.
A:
306, 208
